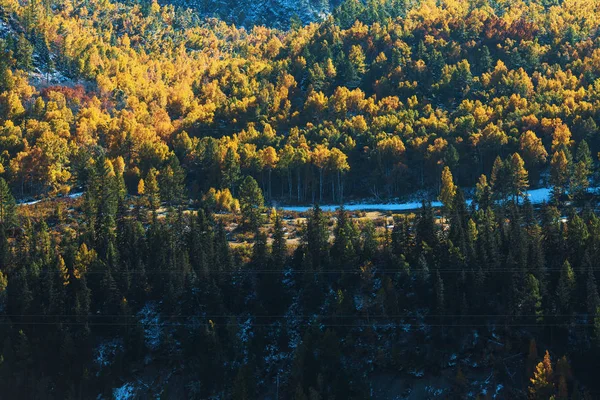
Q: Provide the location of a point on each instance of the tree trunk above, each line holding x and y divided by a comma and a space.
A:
270, 183
298, 171
289, 174
333, 189
320, 185
340, 187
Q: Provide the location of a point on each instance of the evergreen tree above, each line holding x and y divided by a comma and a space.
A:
316, 239
580, 180
499, 178
559, 174
345, 240
24, 53
593, 299
519, 178
8, 215
151, 189
533, 299
251, 203
564, 290
172, 182
279, 247
231, 171
440, 301
532, 359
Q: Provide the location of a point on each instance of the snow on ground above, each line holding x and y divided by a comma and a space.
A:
32, 202
537, 196
125, 392
366, 207
28, 203
106, 351
150, 320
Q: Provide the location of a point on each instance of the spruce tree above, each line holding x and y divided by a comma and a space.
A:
8, 216
251, 203
279, 247
519, 178
564, 290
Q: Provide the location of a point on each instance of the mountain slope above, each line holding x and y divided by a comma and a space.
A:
272, 13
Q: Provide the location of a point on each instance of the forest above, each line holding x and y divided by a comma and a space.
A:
145, 150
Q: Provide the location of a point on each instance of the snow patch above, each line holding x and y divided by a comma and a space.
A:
536, 196
125, 392
106, 352
498, 389
150, 320
539, 196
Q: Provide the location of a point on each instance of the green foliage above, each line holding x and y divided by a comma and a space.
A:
251, 203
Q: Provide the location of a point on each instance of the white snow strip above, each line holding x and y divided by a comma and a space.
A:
125, 392
537, 196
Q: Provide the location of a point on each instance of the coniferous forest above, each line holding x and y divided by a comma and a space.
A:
167, 181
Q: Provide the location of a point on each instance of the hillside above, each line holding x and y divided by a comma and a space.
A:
145, 147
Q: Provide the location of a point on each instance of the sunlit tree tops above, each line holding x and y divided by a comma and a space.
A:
426, 77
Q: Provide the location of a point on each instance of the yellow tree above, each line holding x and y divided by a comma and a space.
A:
286, 161
338, 163
448, 188
561, 139
533, 151
269, 160
320, 159
302, 157
541, 386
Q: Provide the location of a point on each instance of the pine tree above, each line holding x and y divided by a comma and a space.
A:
345, 240
597, 327
369, 241
251, 203
499, 178
316, 239
8, 216
151, 189
593, 299
440, 301
483, 193
563, 390
580, 180
231, 171
559, 174
533, 300
584, 155
425, 227
172, 182
532, 359
24, 54
519, 178
46, 58
564, 290
278, 248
